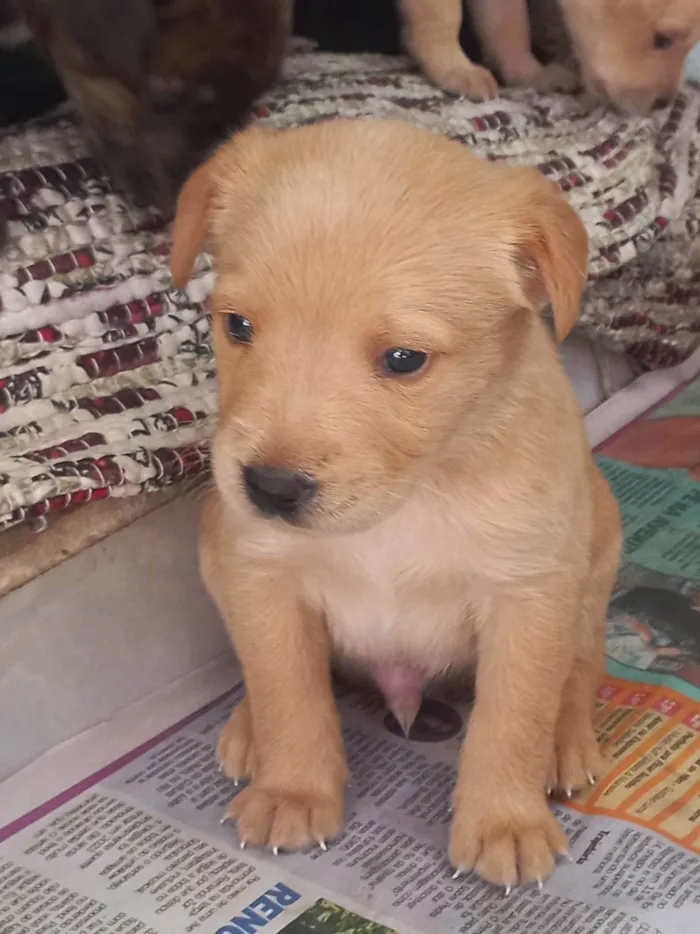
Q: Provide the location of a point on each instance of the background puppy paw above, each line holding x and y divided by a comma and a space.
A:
472, 81
286, 820
555, 77
507, 849
531, 73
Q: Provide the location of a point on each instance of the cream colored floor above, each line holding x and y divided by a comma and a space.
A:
102, 630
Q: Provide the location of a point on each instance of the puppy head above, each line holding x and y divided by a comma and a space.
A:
632, 51
375, 284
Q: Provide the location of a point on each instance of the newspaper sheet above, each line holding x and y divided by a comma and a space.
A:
137, 847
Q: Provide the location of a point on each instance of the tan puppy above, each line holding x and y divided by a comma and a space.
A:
431, 34
632, 51
402, 475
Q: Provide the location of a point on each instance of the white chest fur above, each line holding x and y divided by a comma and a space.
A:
402, 590
416, 587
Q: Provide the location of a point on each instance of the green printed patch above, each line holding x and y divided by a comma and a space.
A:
661, 517
328, 918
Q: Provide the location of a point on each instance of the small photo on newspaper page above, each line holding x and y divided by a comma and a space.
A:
327, 918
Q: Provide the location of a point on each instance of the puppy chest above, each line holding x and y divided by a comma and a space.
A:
381, 608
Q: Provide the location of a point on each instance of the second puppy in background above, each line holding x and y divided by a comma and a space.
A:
158, 82
431, 33
632, 52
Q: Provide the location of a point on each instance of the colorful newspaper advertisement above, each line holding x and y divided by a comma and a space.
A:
138, 847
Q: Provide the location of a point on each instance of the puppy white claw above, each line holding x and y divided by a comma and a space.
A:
275, 851
457, 873
323, 846
507, 890
242, 845
591, 778
540, 885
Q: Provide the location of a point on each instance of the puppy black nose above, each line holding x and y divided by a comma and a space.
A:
278, 492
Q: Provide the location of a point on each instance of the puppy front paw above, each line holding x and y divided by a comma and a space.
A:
286, 820
235, 750
516, 843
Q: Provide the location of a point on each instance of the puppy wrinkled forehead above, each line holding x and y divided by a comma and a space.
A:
378, 215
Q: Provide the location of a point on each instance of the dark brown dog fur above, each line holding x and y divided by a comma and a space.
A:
157, 82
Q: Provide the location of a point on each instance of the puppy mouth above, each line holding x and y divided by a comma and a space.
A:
287, 512
632, 103
318, 519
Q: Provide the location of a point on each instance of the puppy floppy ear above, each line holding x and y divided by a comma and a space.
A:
191, 217
220, 179
552, 251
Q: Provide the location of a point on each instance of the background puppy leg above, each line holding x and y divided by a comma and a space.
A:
100, 50
113, 114
296, 797
577, 760
431, 34
503, 27
502, 825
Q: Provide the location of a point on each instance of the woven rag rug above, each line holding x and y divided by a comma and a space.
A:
106, 372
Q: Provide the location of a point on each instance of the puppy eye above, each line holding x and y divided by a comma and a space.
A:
663, 40
400, 361
240, 328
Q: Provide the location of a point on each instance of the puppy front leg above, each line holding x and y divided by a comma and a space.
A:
502, 825
503, 27
431, 34
577, 761
295, 799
